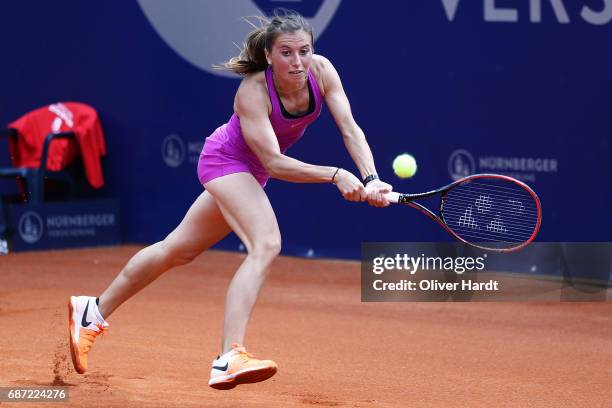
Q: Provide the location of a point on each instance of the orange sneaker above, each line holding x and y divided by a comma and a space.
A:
239, 367
85, 323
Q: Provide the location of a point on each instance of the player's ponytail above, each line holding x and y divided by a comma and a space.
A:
252, 57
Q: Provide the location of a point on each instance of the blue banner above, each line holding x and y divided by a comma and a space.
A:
68, 224
518, 88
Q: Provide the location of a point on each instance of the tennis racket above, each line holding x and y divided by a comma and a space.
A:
488, 211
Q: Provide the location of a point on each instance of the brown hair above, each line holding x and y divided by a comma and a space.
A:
252, 57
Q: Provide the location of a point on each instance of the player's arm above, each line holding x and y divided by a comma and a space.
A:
251, 107
340, 108
353, 137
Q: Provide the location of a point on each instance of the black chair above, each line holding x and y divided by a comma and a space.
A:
34, 178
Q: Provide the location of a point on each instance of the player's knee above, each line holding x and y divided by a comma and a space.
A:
268, 248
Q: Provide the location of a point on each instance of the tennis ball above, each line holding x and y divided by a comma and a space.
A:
404, 166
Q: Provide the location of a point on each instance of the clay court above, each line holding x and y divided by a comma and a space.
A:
332, 349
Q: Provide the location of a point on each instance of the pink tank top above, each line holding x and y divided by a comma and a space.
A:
288, 130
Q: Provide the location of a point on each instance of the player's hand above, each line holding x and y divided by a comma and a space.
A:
350, 186
375, 191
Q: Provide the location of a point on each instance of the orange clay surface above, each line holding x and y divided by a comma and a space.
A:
332, 350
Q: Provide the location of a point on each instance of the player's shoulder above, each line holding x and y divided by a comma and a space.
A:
252, 91
323, 71
253, 83
320, 64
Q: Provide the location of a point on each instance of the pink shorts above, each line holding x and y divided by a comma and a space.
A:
216, 162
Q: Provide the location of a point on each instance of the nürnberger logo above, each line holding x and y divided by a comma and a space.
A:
30, 227
461, 164
173, 150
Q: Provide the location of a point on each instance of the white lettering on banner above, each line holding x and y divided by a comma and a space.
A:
518, 164
71, 233
461, 163
194, 149
81, 220
499, 14
601, 18
450, 7
494, 13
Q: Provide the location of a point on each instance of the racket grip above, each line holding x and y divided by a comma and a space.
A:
393, 197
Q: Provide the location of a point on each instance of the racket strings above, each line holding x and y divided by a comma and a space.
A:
466, 219
521, 218
519, 211
483, 200
492, 211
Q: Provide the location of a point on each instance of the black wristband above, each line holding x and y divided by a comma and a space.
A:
335, 174
369, 178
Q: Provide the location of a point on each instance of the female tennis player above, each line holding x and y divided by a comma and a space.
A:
282, 92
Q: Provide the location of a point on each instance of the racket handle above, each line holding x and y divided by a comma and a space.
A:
393, 197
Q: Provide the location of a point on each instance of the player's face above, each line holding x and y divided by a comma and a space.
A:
291, 56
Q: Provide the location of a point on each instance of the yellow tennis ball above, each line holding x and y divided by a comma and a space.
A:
404, 166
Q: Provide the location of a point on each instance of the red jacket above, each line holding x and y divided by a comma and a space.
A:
82, 119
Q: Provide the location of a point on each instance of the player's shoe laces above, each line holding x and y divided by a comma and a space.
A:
85, 323
237, 366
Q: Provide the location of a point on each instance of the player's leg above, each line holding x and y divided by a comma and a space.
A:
202, 226
252, 218
247, 210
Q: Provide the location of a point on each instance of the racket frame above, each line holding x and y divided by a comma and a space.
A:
409, 200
